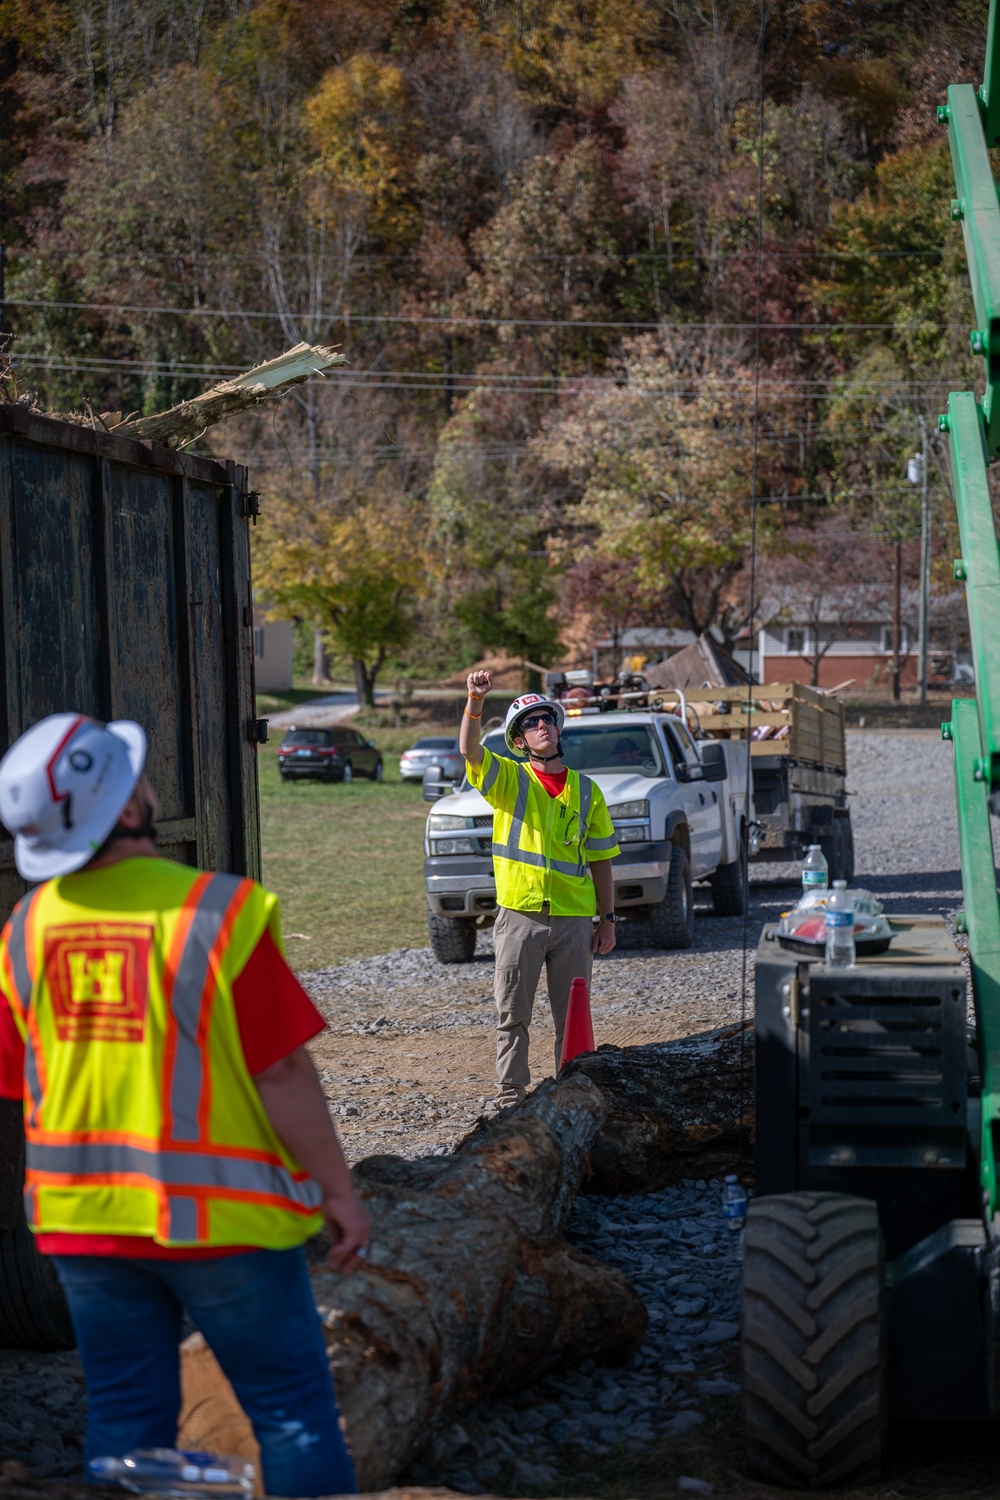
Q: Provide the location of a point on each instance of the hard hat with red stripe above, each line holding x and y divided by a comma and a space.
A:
523, 706
63, 785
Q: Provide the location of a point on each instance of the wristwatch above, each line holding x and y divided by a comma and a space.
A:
610, 916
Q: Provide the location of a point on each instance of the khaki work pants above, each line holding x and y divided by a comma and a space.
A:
523, 941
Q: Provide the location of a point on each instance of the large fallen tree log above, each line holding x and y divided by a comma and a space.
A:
470, 1287
674, 1109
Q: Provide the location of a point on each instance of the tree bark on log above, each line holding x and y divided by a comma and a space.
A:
469, 1288
675, 1109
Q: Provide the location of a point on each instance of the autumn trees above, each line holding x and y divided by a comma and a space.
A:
534, 228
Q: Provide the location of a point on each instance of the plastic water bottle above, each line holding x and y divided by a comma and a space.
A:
840, 953
166, 1471
815, 870
734, 1203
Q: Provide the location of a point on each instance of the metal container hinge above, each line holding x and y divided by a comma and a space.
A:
251, 504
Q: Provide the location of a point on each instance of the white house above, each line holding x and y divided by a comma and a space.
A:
850, 631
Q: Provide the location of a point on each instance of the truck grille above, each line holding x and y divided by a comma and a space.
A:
483, 820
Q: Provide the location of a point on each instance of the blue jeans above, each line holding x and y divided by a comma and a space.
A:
257, 1314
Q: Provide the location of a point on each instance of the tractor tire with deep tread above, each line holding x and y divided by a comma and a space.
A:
730, 885
814, 1362
33, 1311
452, 939
671, 921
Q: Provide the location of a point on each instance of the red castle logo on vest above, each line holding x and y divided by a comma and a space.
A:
97, 974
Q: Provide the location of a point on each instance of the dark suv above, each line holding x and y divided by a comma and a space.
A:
337, 754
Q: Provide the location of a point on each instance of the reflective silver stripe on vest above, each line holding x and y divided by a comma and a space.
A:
519, 856
188, 1080
586, 796
491, 774
586, 787
182, 1218
16, 947
597, 846
99, 1159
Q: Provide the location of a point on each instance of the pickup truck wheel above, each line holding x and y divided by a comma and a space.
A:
33, 1311
671, 921
452, 939
814, 1351
731, 885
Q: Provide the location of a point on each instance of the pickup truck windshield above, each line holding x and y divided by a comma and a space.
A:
612, 747
596, 748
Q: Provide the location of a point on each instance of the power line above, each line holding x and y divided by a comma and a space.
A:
500, 321
440, 382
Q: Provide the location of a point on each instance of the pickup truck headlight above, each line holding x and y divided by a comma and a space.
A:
629, 810
632, 833
454, 846
442, 824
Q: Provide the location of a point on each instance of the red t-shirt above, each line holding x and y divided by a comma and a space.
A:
552, 781
274, 1015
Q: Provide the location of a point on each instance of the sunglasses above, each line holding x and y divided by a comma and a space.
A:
534, 720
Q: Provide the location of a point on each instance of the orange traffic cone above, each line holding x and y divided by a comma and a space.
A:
579, 1033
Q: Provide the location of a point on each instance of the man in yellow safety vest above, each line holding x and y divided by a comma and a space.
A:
179, 1149
553, 843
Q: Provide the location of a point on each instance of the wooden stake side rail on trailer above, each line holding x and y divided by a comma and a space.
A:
799, 766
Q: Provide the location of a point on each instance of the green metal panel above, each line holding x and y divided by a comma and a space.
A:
974, 439
982, 923
977, 206
981, 567
989, 94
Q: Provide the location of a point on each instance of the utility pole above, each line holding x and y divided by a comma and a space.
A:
897, 620
917, 473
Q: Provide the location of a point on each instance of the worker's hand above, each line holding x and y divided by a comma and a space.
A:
479, 684
604, 936
349, 1224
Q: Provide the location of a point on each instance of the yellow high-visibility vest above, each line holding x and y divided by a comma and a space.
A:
141, 1116
542, 845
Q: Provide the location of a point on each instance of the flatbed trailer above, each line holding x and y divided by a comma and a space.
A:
798, 763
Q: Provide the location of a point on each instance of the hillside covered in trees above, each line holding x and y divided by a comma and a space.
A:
533, 227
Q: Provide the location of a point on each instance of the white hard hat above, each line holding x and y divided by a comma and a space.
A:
521, 706
63, 785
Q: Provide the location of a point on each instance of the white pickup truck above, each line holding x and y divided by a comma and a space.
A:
679, 806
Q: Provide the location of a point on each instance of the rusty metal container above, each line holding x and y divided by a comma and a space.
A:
124, 593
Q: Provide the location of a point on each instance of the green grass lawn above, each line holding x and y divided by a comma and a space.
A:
347, 861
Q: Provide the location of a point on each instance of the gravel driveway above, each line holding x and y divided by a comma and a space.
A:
407, 1065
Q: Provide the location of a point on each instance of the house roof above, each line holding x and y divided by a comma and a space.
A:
857, 604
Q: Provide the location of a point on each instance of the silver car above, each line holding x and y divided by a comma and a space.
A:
437, 750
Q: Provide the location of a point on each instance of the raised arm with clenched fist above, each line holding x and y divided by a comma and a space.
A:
478, 684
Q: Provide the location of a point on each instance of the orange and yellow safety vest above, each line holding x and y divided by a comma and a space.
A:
141, 1117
